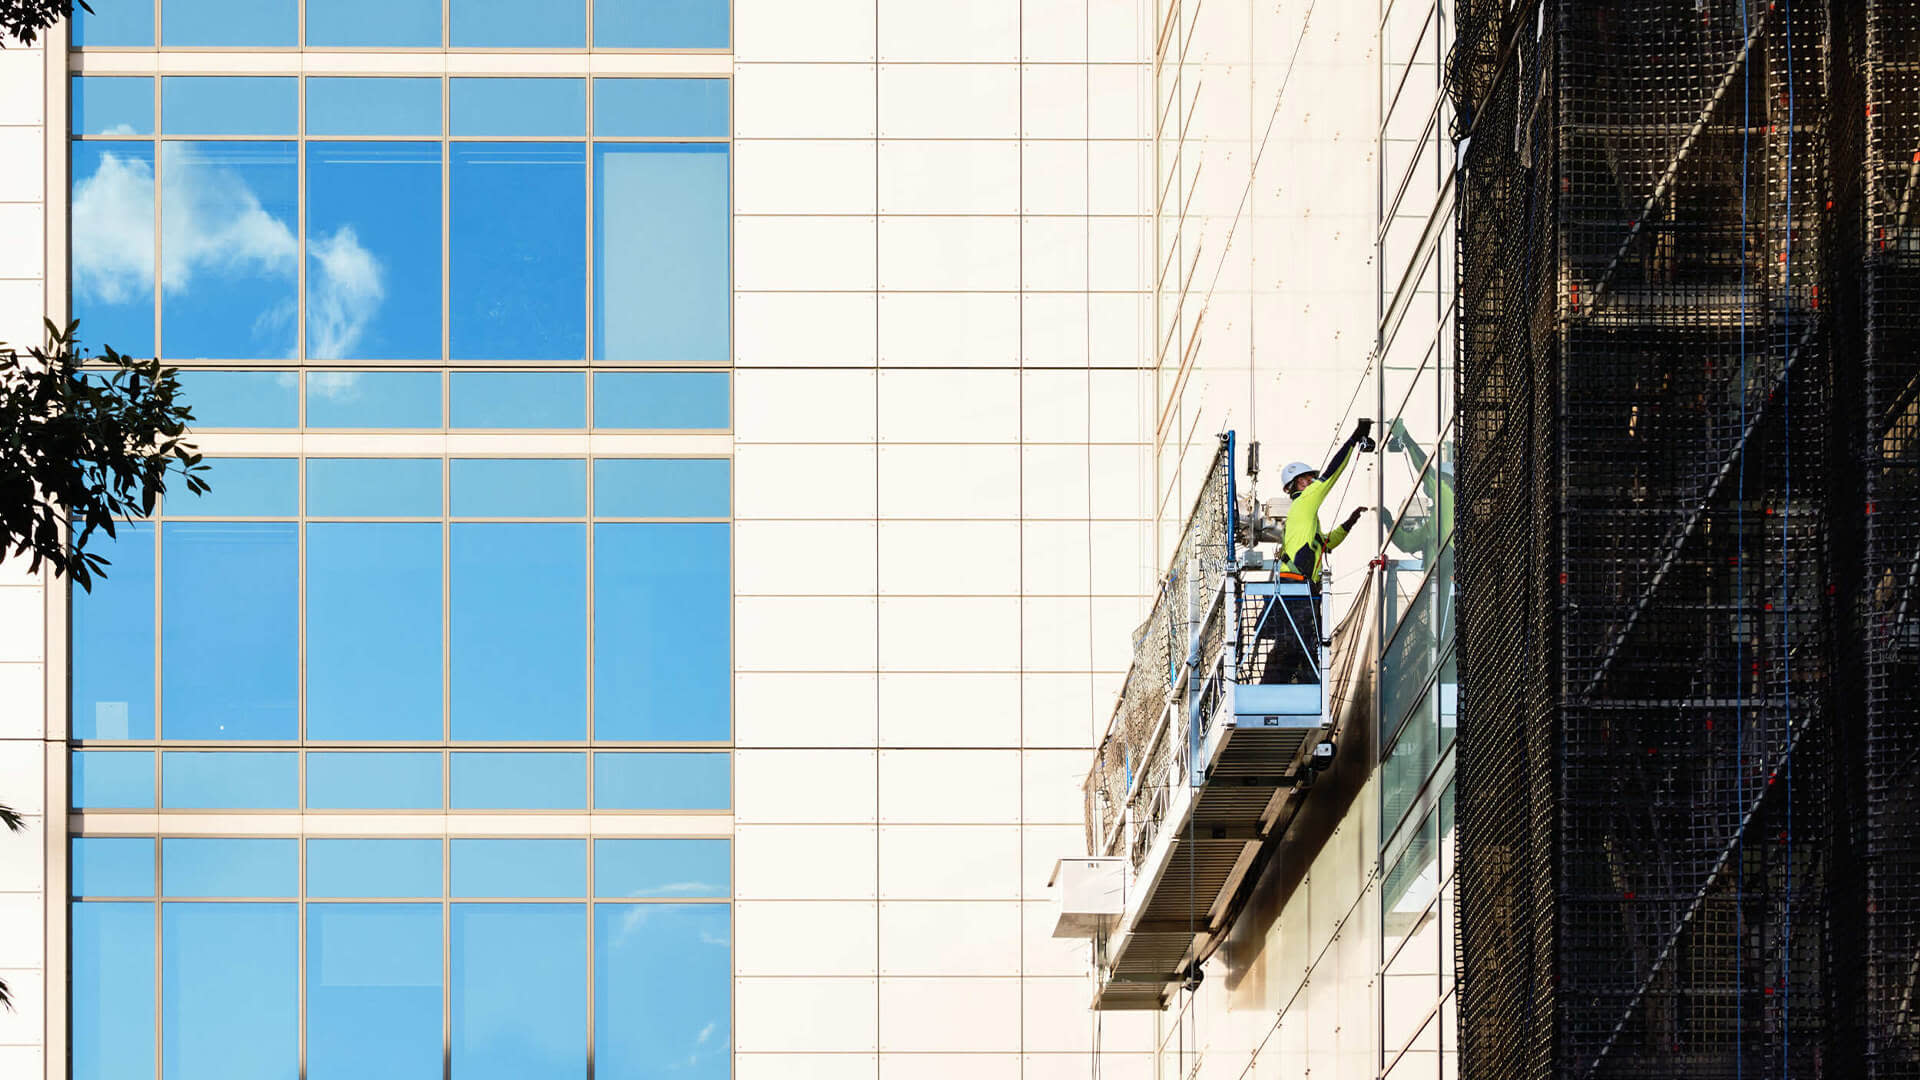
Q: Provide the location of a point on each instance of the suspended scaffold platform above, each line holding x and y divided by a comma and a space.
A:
1222, 723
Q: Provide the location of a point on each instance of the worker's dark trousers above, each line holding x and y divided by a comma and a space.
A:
1295, 641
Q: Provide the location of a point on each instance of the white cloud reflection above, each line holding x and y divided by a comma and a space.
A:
215, 224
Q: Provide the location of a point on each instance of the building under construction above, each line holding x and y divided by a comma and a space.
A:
1690, 364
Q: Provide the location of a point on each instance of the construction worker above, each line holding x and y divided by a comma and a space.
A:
1303, 551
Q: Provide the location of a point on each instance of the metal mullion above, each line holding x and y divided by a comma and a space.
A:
446, 953
592, 935
159, 937
557, 140
159, 648
300, 932
446, 624
158, 285
300, 638
446, 207
300, 252
376, 520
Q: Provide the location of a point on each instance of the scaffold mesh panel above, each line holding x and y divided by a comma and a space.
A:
1889, 597
1647, 455
1126, 764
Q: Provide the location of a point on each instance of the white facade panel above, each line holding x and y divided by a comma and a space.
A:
803, 176
805, 329
980, 1015
794, 709
941, 938
804, 937
956, 330
988, 31
803, 101
929, 710
805, 1015
819, 30
950, 862
804, 862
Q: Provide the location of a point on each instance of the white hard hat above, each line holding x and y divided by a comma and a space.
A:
1294, 472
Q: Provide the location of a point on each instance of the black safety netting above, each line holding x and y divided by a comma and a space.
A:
1688, 837
1889, 592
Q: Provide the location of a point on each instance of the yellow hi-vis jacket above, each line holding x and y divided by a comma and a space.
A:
1303, 547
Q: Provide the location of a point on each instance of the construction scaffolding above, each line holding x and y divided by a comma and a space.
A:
1657, 233
1889, 590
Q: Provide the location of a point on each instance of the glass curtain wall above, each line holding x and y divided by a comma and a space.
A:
1418, 681
406, 751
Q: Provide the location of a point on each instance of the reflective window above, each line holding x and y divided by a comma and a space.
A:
663, 604
373, 399
113, 244
242, 487
685, 1033
373, 991
519, 487
662, 281
662, 781
373, 487
373, 23
660, 108
229, 105
519, 106
110, 989
517, 283
518, 399
230, 665
507, 781
519, 632
229, 867
650, 400
661, 869
364, 781
228, 22
112, 106
519, 991
357, 868
519, 868
229, 780
229, 993
661, 487
373, 251
1408, 764
660, 24
364, 106
374, 653
1408, 660
108, 780
228, 250
242, 399
111, 866
114, 25
112, 670
508, 24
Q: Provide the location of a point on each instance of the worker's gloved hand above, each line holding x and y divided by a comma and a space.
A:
1354, 518
1362, 433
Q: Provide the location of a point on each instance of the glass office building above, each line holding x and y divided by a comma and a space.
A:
405, 752
684, 475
